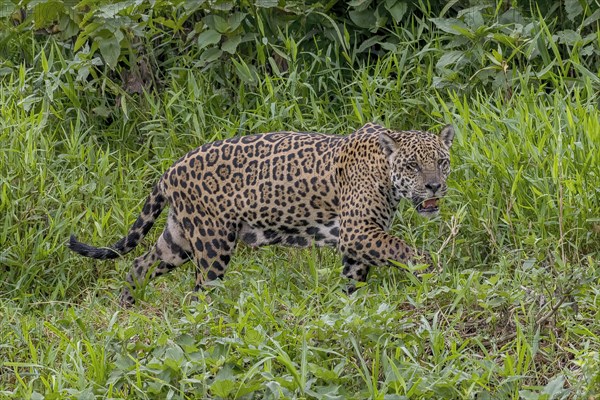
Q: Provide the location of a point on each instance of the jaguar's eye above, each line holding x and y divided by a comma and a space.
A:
414, 166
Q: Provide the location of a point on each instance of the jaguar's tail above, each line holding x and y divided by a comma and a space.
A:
152, 209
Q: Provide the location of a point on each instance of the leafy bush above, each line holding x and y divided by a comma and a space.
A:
135, 43
486, 45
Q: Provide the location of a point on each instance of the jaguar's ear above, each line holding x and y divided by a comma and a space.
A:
387, 143
447, 135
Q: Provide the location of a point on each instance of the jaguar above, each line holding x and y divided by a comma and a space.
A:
289, 188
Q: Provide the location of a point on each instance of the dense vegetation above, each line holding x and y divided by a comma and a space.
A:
98, 98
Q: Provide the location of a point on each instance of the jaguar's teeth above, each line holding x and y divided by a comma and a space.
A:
430, 203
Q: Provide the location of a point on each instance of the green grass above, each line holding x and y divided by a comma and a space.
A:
511, 313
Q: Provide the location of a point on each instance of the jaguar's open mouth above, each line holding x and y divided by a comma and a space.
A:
428, 206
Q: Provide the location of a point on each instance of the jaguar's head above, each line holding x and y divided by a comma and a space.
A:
419, 165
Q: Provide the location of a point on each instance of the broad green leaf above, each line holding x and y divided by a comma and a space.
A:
67, 26
46, 13
231, 44
222, 5
368, 43
266, 3
397, 9
222, 388
450, 58
573, 9
568, 37
235, 20
224, 382
103, 112
528, 395
85, 34
389, 47
193, 5
245, 389
587, 51
364, 19
592, 18
210, 55
109, 46
512, 16
360, 5
207, 38
467, 33
450, 25
221, 24
7, 7
111, 10
474, 20
169, 23
555, 387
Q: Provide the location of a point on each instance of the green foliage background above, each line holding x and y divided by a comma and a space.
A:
97, 98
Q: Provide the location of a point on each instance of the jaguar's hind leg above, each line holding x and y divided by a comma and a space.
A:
172, 250
212, 250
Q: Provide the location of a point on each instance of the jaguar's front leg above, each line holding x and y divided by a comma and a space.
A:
355, 271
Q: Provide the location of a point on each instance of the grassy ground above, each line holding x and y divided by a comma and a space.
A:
512, 312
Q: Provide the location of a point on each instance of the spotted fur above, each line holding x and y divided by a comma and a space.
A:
289, 188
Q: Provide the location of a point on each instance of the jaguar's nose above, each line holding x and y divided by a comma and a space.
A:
433, 186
